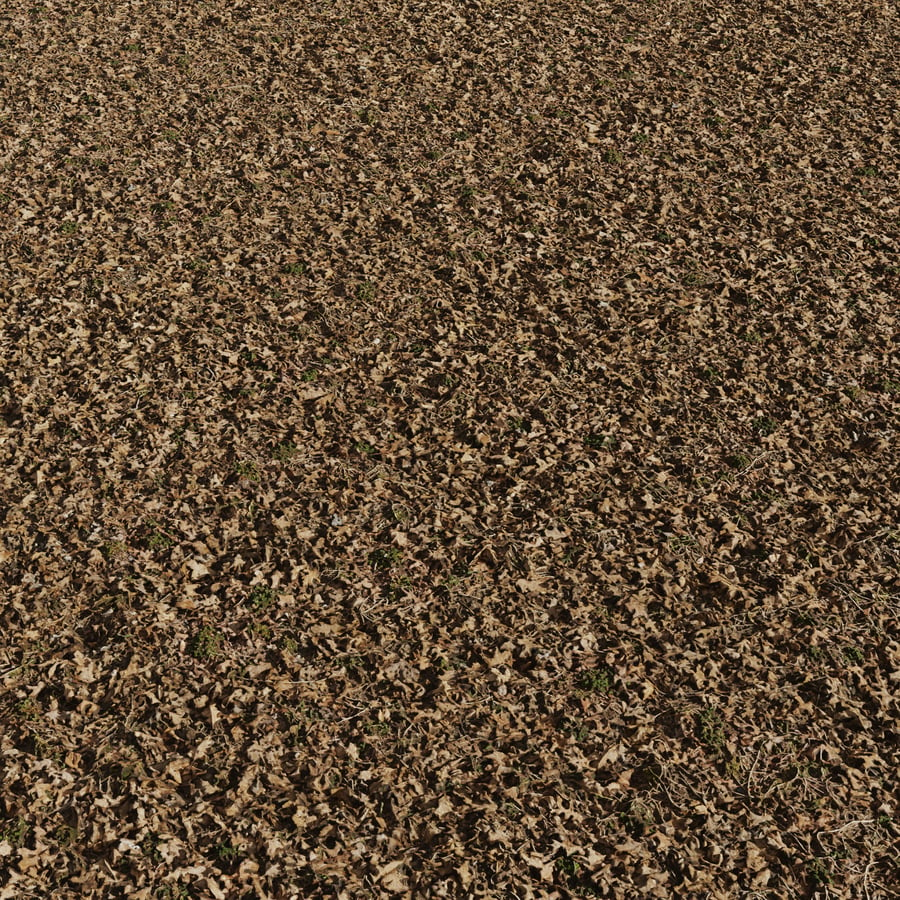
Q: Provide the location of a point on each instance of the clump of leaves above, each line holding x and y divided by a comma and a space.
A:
820, 872
765, 426
226, 851
570, 871
711, 728
576, 728
399, 512
637, 818
253, 359
173, 892
456, 577
158, 540
599, 681
206, 644
150, 847
815, 652
600, 441
65, 835
247, 469
28, 710
381, 729
352, 663
738, 460
14, 833
568, 866
115, 550
132, 770
284, 452
261, 598
398, 588
384, 558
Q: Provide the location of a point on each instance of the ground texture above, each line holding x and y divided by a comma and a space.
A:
449, 449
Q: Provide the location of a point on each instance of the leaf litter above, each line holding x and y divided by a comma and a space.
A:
449, 449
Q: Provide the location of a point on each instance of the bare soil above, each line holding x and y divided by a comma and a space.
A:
449, 449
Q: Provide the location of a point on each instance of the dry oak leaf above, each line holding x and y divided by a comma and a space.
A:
198, 570
392, 877
465, 874
85, 669
530, 585
545, 866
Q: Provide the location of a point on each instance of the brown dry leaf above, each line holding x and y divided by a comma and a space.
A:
392, 877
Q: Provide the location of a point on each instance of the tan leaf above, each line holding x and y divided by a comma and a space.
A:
392, 877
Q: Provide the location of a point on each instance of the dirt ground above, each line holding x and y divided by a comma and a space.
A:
449, 449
